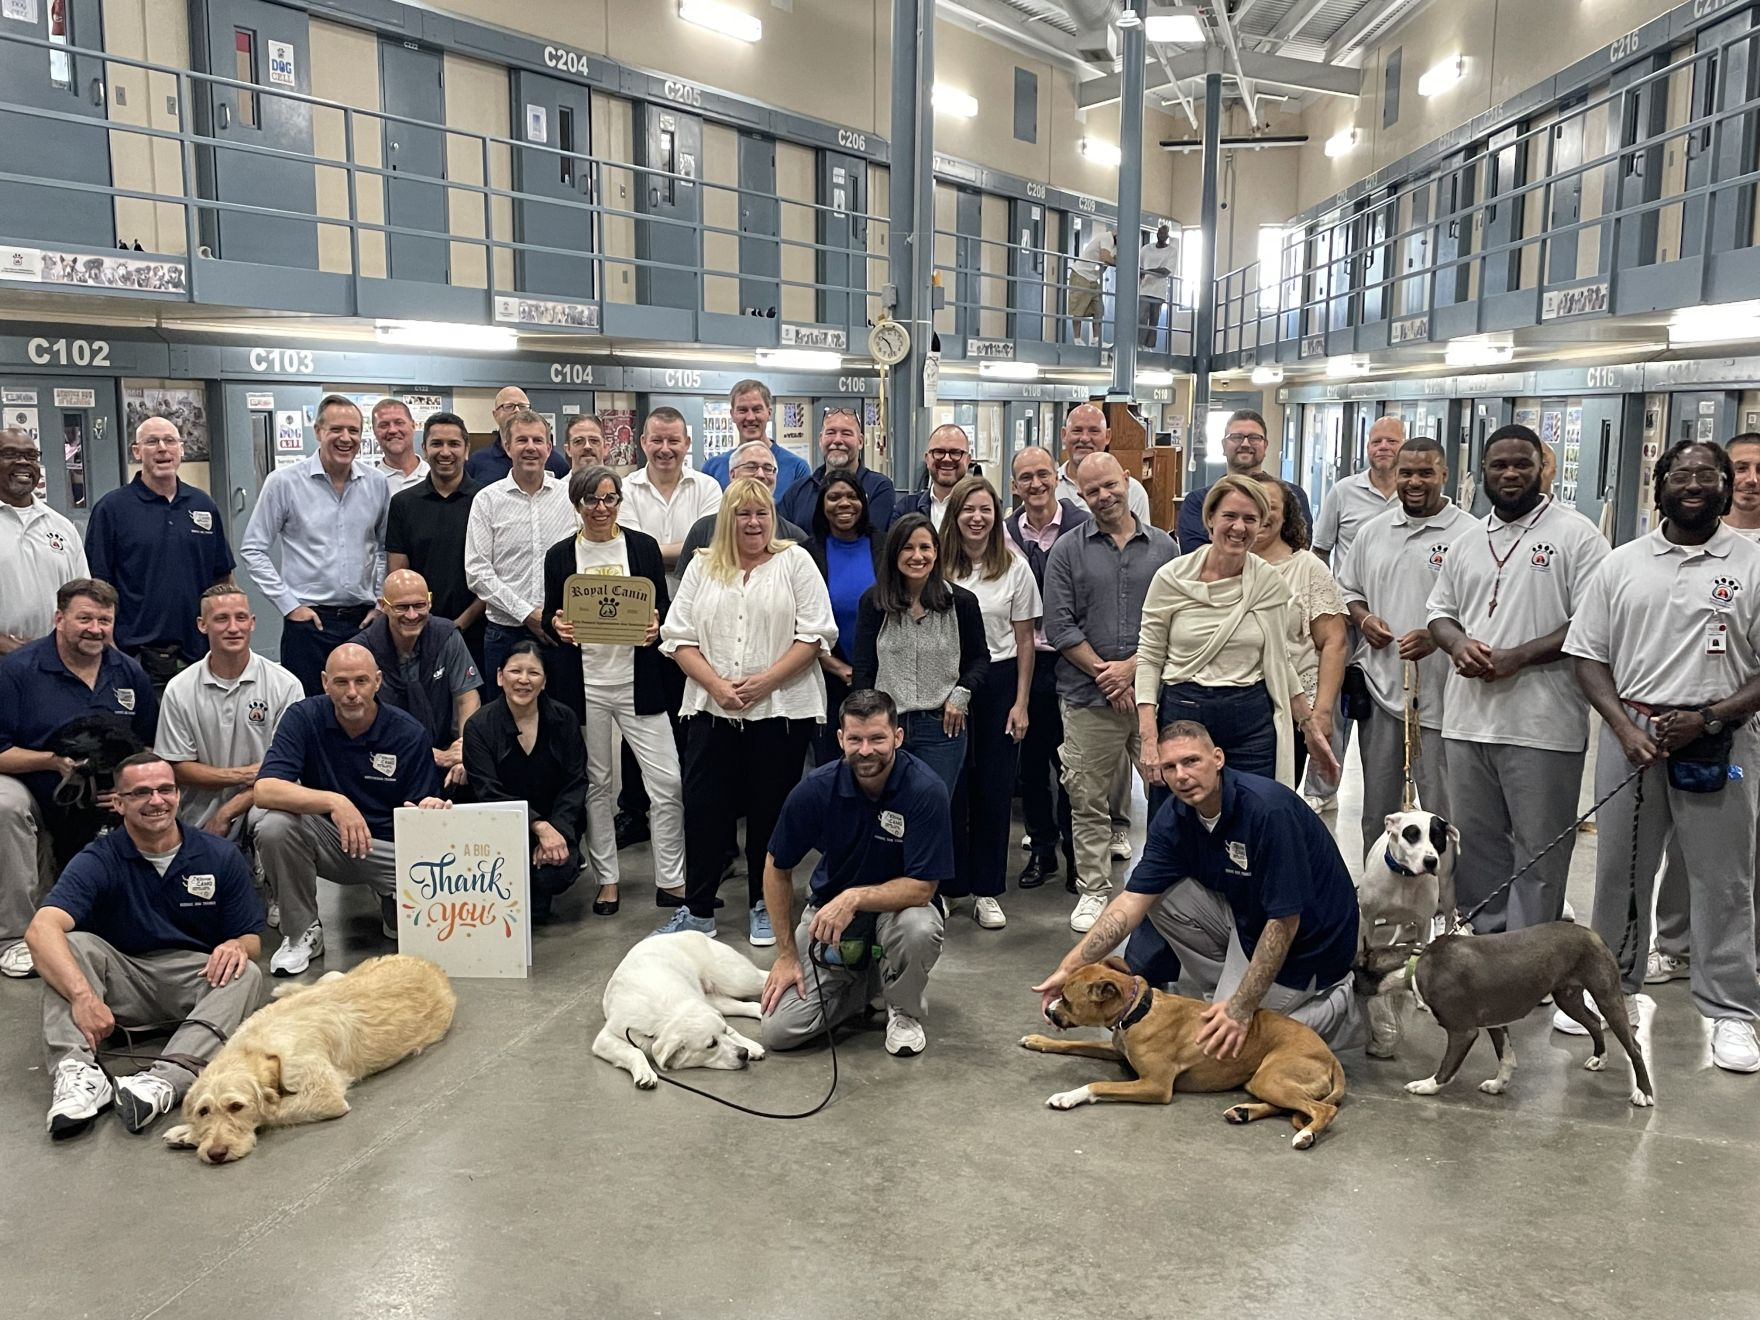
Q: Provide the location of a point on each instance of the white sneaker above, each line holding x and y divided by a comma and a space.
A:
82, 1092
1569, 914
1026, 843
1088, 910
989, 914
16, 962
273, 920
141, 1099
1662, 967
904, 1034
1734, 1047
1571, 1027
1120, 848
294, 956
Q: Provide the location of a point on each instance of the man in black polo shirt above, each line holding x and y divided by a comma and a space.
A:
881, 823
425, 527
149, 924
340, 764
1243, 881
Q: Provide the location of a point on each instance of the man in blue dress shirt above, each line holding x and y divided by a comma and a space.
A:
752, 407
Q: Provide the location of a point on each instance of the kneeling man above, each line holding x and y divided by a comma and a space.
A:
149, 924
1242, 880
880, 820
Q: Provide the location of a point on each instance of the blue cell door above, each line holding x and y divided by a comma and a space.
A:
554, 177
75, 149
411, 87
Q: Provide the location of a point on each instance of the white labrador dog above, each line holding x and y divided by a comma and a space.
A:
669, 994
1408, 882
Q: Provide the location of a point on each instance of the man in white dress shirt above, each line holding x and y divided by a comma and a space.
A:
665, 496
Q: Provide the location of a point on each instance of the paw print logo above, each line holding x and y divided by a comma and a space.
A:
57, 542
1724, 591
1541, 556
1434, 556
257, 712
607, 608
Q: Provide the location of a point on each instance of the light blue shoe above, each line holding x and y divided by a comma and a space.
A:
762, 936
682, 920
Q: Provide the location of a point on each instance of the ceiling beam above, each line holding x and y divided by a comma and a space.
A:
1185, 101
1306, 75
1226, 29
1357, 24
1000, 23
1290, 26
1174, 70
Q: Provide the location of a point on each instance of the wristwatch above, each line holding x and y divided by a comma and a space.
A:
1713, 725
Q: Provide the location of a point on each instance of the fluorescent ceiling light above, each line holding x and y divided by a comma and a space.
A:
1100, 152
1173, 23
1479, 351
1715, 323
725, 19
1356, 365
448, 334
1267, 375
952, 101
1342, 142
1010, 370
1442, 76
799, 359
1154, 378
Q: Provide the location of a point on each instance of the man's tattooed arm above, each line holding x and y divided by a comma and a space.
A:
1104, 937
1268, 956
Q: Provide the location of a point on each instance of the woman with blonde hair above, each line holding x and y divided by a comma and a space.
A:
977, 556
751, 620
1212, 649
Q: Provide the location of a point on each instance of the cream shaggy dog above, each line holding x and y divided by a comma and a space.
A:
293, 1060
670, 993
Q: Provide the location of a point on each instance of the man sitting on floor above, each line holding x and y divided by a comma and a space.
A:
1242, 880
149, 925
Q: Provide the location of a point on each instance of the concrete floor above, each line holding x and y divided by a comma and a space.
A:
508, 1172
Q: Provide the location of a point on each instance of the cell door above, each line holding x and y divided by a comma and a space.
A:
264, 47
78, 152
1598, 453
1455, 192
1506, 170
1026, 270
1722, 81
760, 224
73, 420
670, 245
968, 223
411, 80
552, 117
1415, 256
1643, 115
1369, 236
1564, 196
843, 239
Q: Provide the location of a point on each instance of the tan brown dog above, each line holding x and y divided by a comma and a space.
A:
1282, 1063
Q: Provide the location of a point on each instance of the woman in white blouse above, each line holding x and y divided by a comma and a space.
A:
977, 556
750, 622
1318, 640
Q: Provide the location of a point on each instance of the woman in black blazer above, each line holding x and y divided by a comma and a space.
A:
527, 748
618, 688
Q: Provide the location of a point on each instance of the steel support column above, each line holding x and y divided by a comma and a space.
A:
911, 241
1130, 208
1204, 313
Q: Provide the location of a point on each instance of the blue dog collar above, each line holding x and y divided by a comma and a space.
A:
1396, 868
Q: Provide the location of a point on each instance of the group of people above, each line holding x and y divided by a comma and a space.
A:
931, 653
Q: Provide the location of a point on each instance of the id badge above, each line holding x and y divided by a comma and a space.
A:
1716, 638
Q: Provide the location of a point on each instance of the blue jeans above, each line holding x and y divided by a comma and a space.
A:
1239, 721
306, 647
925, 739
498, 644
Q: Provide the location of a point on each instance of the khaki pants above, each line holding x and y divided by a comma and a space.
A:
1094, 738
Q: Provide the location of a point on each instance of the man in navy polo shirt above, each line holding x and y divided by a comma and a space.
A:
1242, 880
149, 924
339, 765
46, 686
880, 821
160, 542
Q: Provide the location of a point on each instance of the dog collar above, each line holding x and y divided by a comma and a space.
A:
1138, 1008
1396, 868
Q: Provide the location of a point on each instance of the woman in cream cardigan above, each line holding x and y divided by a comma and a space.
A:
1212, 649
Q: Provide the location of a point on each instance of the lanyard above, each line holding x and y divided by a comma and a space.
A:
1509, 554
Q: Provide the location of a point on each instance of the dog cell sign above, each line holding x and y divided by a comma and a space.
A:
464, 888
613, 610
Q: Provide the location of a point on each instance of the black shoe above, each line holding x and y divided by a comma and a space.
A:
1040, 867
1069, 876
605, 907
631, 829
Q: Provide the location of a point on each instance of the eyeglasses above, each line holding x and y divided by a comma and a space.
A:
1240, 437
160, 442
412, 608
601, 501
1681, 478
946, 455
20, 456
757, 469
150, 791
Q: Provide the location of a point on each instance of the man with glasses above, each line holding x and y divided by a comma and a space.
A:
1667, 649
40, 548
425, 528
753, 406
949, 458
160, 542
1244, 445
494, 461
754, 460
427, 671
584, 443
1085, 432
394, 428
840, 441
664, 497
150, 924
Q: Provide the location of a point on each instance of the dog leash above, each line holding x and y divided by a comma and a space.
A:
188, 1062
1414, 733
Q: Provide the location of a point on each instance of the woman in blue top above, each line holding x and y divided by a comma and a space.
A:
846, 547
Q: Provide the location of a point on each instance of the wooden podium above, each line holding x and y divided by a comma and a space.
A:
1160, 469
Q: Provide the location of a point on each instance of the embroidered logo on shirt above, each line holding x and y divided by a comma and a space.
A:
1435, 555
1237, 853
257, 712
385, 763
203, 520
440, 672
125, 698
892, 823
1541, 556
1723, 591
57, 542
199, 886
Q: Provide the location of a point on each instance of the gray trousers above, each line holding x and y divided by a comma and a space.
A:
1674, 923
1381, 742
1716, 836
296, 850
1198, 925
1510, 802
26, 862
152, 989
912, 943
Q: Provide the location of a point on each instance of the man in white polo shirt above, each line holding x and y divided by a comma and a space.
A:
1515, 725
1386, 580
39, 547
1667, 647
665, 496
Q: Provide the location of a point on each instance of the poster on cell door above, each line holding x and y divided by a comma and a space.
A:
463, 888
184, 406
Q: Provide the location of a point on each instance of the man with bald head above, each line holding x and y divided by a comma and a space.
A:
426, 667
161, 543
1245, 442
494, 460
1085, 432
949, 458
340, 763
1096, 580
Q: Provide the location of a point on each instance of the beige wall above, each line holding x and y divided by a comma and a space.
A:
154, 31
